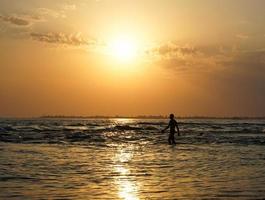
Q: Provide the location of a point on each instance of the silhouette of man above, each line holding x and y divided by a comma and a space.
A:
172, 125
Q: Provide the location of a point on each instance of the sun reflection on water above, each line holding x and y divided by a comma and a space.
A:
127, 186
128, 190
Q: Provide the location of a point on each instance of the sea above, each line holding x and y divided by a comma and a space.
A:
130, 159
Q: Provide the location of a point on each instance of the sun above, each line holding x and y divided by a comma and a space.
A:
123, 48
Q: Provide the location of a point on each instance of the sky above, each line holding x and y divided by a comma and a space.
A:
138, 57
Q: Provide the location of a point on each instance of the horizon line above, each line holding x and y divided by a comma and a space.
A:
134, 117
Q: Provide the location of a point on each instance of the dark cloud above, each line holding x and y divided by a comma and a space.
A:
61, 38
14, 20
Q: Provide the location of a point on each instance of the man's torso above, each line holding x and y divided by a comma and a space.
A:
172, 125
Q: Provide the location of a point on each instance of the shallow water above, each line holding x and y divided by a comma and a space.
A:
130, 159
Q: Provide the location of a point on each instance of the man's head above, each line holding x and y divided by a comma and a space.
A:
171, 116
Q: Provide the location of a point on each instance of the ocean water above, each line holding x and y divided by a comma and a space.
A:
130, 159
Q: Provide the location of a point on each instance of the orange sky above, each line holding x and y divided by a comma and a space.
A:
141, 57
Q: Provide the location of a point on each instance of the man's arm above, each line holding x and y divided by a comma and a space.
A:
177, 128
165, 128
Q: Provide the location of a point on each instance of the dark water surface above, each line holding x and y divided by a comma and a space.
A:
130, 159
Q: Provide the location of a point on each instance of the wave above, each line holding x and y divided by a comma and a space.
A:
132, 137
109, 131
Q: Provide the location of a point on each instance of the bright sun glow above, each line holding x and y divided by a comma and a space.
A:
124, 49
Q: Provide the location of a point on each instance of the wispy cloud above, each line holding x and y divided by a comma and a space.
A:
190, 58
36, 15
172, 50
62, 39
178, 57
46, 12
20, 20
15, 20
56, 13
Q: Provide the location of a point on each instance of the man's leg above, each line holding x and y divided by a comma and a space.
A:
173, 139
169, 140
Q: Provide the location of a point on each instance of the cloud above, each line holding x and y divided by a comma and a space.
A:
15, 20
51, 13
59, 13
172, 50
40, 14
21, 20
178, 57
206, 58
63, 39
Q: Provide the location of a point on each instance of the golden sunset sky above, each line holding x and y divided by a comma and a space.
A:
137, 57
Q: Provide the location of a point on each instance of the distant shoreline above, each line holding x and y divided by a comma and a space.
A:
143, 117
128, 117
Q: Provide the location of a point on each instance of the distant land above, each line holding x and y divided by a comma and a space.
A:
145, 117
